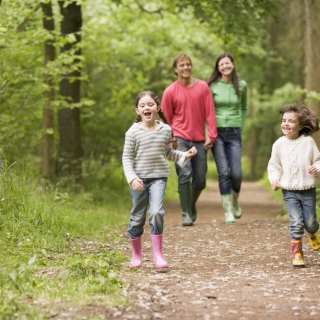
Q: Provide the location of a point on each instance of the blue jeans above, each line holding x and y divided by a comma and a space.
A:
152, 194
301, 205
227, 155
196, 168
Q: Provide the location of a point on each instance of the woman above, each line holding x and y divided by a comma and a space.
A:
230, 99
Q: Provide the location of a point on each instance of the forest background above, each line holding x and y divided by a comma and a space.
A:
69, 74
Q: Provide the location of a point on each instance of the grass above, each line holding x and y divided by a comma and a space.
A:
60, 249
58, 246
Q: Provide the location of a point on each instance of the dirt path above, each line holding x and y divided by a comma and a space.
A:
217, 271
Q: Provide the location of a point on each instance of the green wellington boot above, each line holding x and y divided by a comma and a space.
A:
227, 205
195, 194
185, 203
237, 212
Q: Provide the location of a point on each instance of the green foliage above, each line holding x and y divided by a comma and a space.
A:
311, 95
262, 127
128, 47
105, 180
28, 219
59, 245
242, 18
128, 60
44, 248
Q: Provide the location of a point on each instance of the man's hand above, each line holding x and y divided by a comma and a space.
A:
208, 144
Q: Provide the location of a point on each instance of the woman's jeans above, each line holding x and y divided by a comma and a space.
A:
153, 194
195, 169
301, 205
227, 155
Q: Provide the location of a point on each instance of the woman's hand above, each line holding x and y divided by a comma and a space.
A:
275, 185
191, 152
137, 184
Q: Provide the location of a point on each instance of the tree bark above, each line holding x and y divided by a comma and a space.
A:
70, 149
48, 168
312, 53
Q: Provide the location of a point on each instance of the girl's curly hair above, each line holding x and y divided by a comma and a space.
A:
307, 118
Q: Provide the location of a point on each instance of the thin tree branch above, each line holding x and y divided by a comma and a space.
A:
5, 82
22, 25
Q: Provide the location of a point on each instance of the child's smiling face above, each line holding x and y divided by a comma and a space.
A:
290, 125
147, 108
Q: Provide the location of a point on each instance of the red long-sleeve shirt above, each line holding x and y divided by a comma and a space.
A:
188, 109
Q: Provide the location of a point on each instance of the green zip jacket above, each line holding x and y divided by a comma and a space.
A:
231, 111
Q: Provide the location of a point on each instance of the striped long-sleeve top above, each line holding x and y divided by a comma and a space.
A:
145, 153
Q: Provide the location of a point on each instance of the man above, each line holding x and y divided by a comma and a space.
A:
188, 106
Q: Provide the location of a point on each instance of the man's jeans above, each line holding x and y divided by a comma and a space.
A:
152, 194
195, 169
301, 205
227, 155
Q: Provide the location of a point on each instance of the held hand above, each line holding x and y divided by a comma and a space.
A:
312, 170
275, 185
208, 144
137, 184
191, 152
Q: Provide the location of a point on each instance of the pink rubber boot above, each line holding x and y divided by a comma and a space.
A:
158, 258
136, 259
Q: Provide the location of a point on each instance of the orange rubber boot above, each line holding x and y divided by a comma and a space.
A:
297, 253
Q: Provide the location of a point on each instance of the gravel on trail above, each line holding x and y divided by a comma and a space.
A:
218, 271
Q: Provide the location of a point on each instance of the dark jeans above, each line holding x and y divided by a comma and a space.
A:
195, 170
227, 155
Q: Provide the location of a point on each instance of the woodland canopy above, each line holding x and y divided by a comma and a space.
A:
70, 71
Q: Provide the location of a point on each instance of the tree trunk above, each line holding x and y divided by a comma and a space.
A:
48, 168
70, 149
312, 53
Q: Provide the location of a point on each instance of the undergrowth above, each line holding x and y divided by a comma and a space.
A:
58, 246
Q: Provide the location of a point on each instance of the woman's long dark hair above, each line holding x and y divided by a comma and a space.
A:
216, 75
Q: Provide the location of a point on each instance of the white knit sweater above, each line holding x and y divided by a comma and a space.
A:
290, 161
